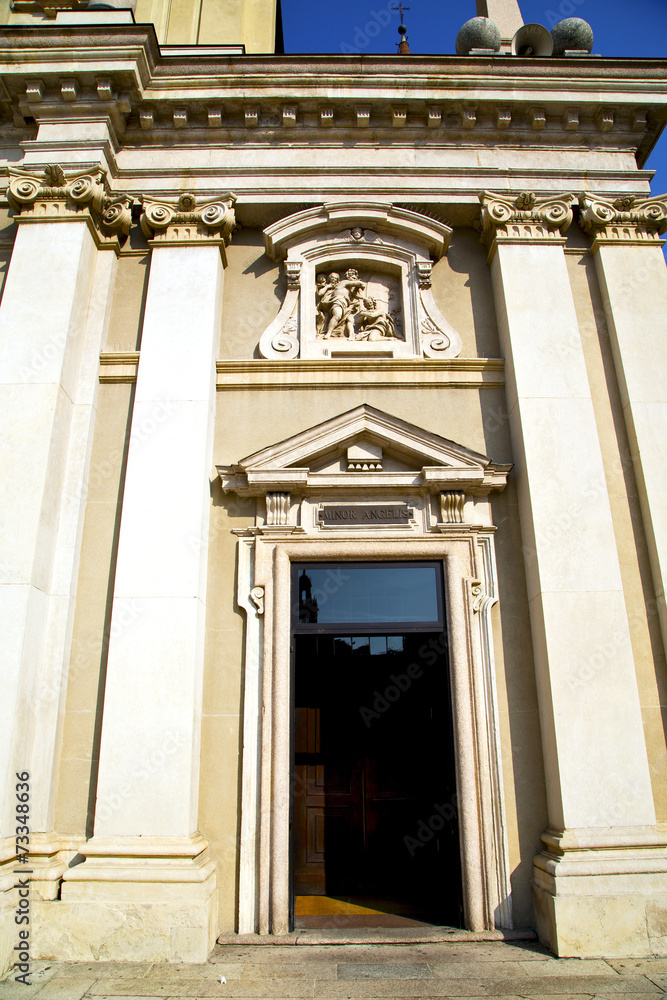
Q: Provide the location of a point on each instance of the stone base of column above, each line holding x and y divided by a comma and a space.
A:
602, 895
142, 899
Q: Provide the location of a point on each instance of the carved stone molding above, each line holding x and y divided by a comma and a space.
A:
277, 508
525, 218
57, 195
257, 598
186, 223
627, 220
451, 508
293, 273
424, 273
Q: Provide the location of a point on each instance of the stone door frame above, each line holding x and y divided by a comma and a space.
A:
470, 588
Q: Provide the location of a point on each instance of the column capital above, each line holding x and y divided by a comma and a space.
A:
57, 195
183, 222
524, 218
629, 220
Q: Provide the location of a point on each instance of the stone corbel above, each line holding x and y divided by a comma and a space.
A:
524, 218
257, 598
439, 339
277, 509
628, 220
452, 507
280, 341
56, 195
185, 223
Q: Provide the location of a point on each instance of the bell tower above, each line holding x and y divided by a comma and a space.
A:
252, 23
506, 14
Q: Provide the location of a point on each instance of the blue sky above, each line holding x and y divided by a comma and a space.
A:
620, 27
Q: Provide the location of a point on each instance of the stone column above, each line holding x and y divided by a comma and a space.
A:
633, 280
146, 856
52, 323
599, 794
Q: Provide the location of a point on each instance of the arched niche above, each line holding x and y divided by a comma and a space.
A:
392, 251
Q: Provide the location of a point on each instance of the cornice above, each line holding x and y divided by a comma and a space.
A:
619, 102
54, 195
525, 218
628, 220
185, 223
119, 366
333, 373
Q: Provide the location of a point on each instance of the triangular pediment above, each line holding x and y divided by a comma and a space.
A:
318, 458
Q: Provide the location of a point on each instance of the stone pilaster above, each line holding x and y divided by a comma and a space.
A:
597, 777
146, 854
631, 270
53, 319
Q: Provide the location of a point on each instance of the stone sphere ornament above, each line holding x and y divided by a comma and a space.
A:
572, 34
478, 33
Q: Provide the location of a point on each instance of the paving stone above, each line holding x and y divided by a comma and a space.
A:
109, 970
202, 989
399, 988
384, 970
570, 967
11, 990
656, 978
643, 966
40, 974
257, 989
106, 986
626, 996
72, 988
592, 985
479, 970
311, 970
177, 973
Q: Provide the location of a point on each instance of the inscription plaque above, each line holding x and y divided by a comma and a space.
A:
361, 515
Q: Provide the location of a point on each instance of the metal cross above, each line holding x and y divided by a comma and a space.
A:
401, 9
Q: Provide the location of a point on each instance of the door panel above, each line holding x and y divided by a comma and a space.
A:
374, 797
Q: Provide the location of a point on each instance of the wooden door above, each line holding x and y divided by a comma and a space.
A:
373, 765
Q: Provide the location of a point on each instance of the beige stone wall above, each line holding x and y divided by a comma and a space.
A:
630, 538
217, 22
250, 420
189, 22
85, 688
254, 290
255, 287
127, 307
463, 293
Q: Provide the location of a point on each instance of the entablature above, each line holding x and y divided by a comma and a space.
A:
121, 71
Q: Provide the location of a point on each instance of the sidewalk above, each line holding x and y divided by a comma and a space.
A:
475, 969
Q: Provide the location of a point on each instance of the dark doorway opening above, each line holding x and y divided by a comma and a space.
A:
374, 813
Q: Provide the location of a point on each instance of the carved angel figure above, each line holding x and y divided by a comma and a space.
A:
337, 303
374, 323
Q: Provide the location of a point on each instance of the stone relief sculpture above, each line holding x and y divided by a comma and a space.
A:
343, 310
358, 284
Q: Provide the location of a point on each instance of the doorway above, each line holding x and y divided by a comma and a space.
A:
375, 839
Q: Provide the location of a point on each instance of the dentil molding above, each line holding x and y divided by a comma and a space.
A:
58, 195
628, 220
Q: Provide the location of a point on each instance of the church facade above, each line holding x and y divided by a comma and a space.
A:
334, 537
